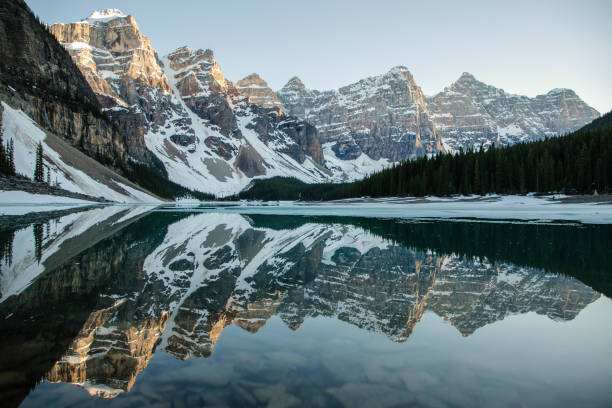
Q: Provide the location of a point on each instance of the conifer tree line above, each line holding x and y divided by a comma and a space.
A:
579, 163
7, 158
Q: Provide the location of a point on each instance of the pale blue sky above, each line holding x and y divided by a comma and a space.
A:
524, 47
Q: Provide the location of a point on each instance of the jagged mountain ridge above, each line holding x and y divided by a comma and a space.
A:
204, 272
208, 134
383, 117
465, 115
183, 110
471, 113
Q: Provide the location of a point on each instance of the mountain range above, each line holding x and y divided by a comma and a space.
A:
182, 120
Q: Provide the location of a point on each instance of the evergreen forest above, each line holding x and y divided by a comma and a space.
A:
578, 163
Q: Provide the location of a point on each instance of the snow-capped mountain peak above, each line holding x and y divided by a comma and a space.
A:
295, 82
104, 16
258, 92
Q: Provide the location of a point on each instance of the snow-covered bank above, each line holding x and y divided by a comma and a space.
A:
64, 165
499, 208
523, 208
21, 202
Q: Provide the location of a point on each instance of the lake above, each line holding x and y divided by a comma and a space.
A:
134, 306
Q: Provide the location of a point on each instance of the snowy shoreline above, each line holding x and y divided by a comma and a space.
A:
581, 209
491, 208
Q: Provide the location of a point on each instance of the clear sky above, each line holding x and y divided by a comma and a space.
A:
523, 46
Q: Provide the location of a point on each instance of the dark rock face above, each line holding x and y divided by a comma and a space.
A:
217, 110
346, 150
183, 140
50, 88
250, 162
296, 138
181, 265
224, 150
307, 141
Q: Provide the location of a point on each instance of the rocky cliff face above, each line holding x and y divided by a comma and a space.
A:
38, 77
383, 117
388, 116
258, 92
183, 114
243, 125
122, 68
470, 113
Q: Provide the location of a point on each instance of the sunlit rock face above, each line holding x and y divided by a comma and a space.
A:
258, 92
383, 117
117, 59
181, 115
471, 113
122, 68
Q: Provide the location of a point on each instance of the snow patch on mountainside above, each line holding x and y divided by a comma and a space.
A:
350, 170
198, 167
26, 135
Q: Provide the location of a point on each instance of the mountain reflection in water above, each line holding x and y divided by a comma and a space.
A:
90, 297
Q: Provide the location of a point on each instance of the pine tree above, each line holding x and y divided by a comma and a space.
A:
3, 158
39, 175
11, 158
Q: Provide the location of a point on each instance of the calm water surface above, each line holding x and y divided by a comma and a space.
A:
123, 306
